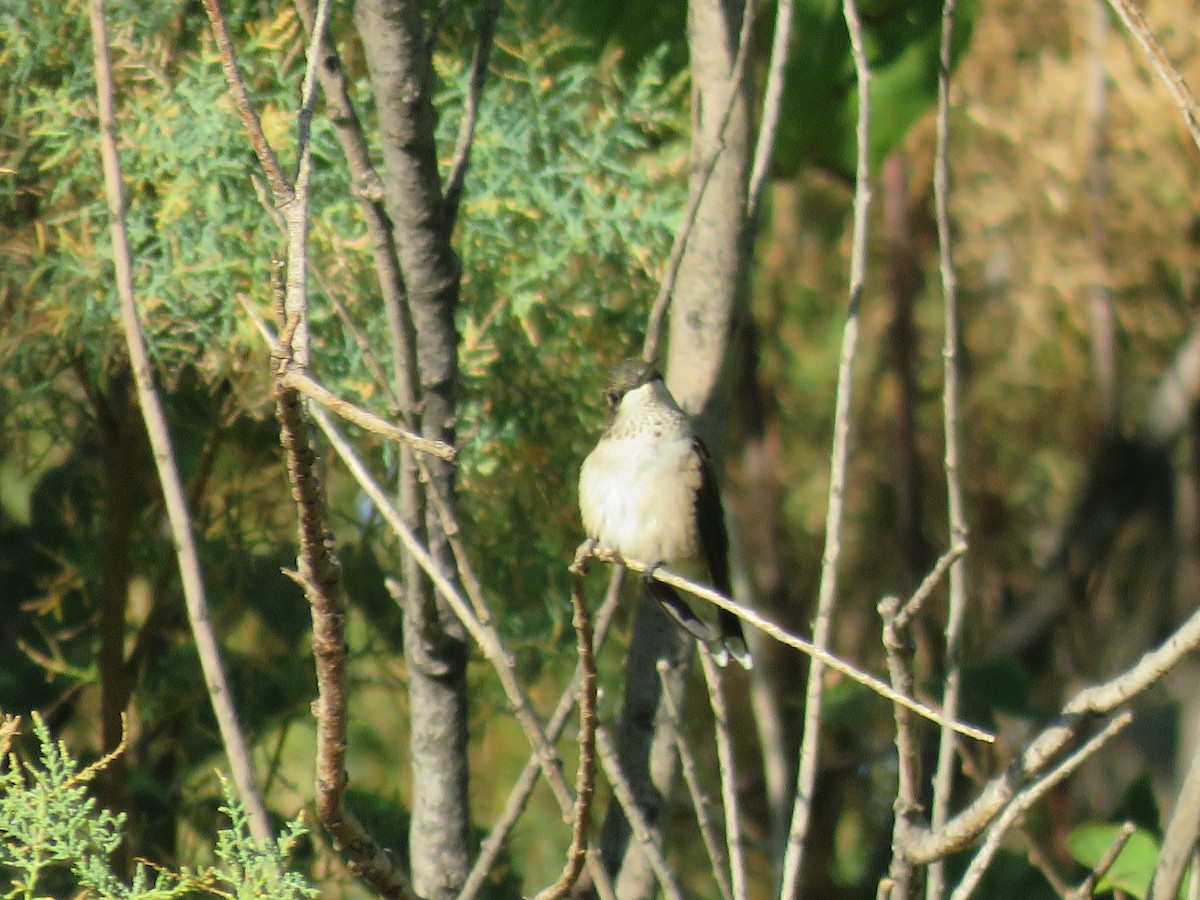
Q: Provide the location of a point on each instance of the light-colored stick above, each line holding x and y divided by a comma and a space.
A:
806, 775
1028, 796
633, 813
691, 778
725, 763
1167, 73
827, 659
956, 612
178, 516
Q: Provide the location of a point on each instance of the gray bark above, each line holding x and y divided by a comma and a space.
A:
434, 641
708, 298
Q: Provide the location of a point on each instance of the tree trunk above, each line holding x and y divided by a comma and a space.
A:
434, 642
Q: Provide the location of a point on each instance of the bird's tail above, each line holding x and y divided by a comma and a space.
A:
733, 639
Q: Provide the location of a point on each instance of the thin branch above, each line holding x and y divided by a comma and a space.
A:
314, 390
1167, 73
925, 845
691, 778
772, 102
174, 498
585, 778
1087, 887
707, 166
907, 802
819, 654
245, 106
518, 797
806, 775
484, 635
319, 576
368, 190
1028, 797
733, 830
641, 829
470, 115
914, 603
956, 613
1179, 839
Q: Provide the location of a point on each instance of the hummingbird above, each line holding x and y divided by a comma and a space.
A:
648, 491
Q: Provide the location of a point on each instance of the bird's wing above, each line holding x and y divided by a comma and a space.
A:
714, 544
710, 521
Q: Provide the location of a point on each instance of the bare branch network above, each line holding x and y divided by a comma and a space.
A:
414, 264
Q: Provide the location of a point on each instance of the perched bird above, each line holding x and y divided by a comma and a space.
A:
648, 491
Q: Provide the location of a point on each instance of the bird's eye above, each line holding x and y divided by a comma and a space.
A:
613, 397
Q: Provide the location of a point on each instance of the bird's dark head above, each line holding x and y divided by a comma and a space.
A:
627, 375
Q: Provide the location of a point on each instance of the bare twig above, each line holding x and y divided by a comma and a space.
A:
1179, 839
700, 803
925, 845
470, 115
585, 779
733, 829
160, 441
1039, 860
368, 190
1167, 73
485, 636
313, 389
245, 106
827, 592
899, 881
518, 797
641, 829
772, 101
957, 522
706, 167
823, 656
914, 603
1087, 887
1028, 797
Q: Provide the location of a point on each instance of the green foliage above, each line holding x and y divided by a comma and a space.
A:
820, 102
1134, 865
53, 837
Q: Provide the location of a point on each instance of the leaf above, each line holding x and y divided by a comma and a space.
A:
1133, 867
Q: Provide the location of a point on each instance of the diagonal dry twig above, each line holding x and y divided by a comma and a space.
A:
707, 166
1026, 798
174, 496
1087, 887
772, 102
633, 812
1166, 72
691, 778
304, 383
827, 659
466, 127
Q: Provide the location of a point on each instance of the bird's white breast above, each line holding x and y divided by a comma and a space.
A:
637, 493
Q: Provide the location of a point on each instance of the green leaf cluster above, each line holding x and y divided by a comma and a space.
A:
54, 838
